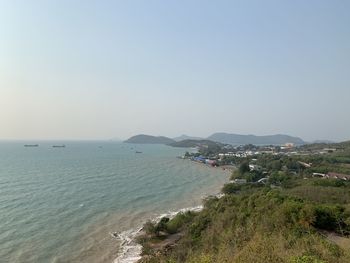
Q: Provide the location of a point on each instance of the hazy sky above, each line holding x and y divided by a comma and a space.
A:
103, 69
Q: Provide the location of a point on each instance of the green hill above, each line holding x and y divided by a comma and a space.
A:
195, 143
239, 139
148, 139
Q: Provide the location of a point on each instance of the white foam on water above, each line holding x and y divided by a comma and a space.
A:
130, 249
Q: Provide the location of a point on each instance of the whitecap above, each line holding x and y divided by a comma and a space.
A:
130, 249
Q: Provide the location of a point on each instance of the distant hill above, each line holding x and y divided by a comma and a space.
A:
195, 143
320, 146
323, 141
224, 138
238, 139
186, 137
148, 139
206, 147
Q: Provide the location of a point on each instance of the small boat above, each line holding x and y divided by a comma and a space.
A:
31, 145
59, 146
138, 152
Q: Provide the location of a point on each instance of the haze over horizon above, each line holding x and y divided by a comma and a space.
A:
99, 70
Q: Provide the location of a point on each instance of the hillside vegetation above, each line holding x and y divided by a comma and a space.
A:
259, 225
292, 217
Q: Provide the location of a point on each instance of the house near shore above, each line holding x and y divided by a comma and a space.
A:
205, 160
318, 175
210, 162
332, 175
287, 146
255, 167
239, 181
345, 177
327, 150
306, 165
200, 159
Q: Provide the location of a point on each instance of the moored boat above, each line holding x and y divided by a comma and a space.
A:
59, 146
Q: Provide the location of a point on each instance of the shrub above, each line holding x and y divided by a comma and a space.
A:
329, 218
244, 167
330, 182
162, 225
175, 224
254, 176
231, 188
306, 259
198, 226
236, 175
295, 213
149, 227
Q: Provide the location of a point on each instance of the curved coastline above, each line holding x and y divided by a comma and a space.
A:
130, 249
113, 237
83, 194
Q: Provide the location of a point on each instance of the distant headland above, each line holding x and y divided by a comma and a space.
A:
149, 139
224, 138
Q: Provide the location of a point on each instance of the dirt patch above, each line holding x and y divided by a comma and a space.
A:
341, 241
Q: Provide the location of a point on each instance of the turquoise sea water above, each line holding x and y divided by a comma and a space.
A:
62, 204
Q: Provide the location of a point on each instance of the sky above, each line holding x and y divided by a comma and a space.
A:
103, 69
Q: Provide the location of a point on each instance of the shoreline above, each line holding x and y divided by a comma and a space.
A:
226, 167
120, 241
130, 249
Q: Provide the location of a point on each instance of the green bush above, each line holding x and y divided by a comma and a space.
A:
231, 188
162, 225
198, 226
278, 177
330, 218
330, 182
254, 176
175, 224
306, 259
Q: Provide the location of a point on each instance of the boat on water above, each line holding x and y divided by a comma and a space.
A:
59, 146
138, 152
31, 145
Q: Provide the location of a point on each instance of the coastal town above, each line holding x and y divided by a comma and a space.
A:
302, 159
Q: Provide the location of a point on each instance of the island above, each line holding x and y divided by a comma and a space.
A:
219, 137
149, 139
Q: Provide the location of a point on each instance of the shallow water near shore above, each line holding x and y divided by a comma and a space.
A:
63, 204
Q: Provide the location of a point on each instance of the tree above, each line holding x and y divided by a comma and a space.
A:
244, 168
162, 225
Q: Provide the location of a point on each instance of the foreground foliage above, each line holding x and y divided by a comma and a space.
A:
258, 225
281, 215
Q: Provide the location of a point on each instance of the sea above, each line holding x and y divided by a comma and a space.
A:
86, 202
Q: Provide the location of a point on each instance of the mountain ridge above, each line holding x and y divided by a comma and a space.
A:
186, 137
237, 139
220, 137
149, 139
